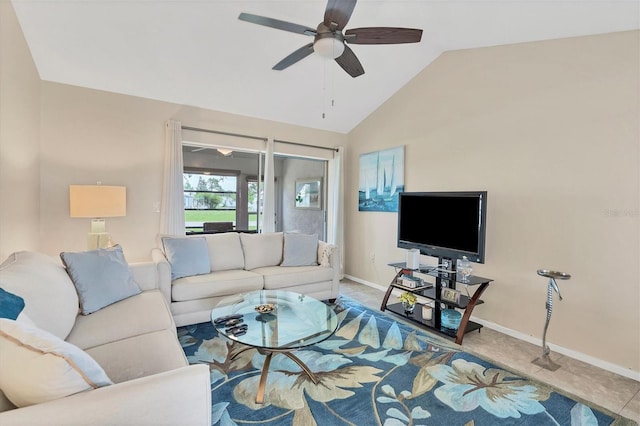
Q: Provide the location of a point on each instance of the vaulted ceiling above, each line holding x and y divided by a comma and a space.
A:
197, 52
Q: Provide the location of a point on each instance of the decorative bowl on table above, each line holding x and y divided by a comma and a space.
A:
266, 308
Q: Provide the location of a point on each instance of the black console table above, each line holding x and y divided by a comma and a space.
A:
432, 290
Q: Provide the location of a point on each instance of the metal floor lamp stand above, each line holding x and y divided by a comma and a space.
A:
544, 361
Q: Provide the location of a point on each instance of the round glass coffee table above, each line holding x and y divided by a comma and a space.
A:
274, 321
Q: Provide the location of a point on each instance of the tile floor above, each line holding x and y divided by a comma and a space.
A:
609, 390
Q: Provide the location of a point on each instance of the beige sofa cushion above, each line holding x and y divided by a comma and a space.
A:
276, 277
225, 251
262, 249
140, 356
144, 313
215, 284
50, 298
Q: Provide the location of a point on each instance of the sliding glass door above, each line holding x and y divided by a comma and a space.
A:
224, 189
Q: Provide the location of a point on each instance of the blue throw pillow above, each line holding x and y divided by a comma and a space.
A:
10, 305
300, 249
101, 277
187, 256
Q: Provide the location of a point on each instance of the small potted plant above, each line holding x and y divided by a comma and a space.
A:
408, 301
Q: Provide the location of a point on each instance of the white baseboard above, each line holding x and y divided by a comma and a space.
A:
605, 365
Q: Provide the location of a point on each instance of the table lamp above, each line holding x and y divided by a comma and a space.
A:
97, 202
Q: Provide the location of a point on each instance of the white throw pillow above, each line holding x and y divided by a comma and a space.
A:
50, 298
300, 249
325, 250
36, 366
102, 277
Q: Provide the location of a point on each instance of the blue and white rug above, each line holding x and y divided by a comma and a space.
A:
377, 371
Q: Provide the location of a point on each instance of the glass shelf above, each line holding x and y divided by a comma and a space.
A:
450, 276
416, 316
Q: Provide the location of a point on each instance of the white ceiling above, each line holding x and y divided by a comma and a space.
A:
196, 52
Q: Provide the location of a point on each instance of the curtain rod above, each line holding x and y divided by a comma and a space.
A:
308, 146
218, 132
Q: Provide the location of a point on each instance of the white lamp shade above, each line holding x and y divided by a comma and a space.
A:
97, 201
328, 47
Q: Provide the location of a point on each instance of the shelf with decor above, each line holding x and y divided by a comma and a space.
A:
442, 289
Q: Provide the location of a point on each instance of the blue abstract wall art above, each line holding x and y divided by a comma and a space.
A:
381, 179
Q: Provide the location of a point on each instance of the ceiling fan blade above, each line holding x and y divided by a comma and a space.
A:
382, 35
338, 12
277, 24
350, 63
296, 56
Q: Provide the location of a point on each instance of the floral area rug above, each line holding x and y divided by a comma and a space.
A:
376, 371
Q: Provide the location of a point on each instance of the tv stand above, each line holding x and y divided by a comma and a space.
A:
439, 280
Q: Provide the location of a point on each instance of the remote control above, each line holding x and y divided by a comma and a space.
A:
220, 320
233, 321
237, 328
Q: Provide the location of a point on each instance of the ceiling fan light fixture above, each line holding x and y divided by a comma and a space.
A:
329, 47
224, 151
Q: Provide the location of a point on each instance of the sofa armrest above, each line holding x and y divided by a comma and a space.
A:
175, 397
163, 268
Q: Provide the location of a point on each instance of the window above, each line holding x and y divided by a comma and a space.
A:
208, 197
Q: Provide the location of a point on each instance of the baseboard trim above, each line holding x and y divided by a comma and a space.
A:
605, 365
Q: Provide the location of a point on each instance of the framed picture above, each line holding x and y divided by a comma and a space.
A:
381, 180
309, 193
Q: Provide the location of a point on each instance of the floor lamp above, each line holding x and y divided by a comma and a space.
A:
97, 202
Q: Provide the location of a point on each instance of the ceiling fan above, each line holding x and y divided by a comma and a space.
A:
329, 40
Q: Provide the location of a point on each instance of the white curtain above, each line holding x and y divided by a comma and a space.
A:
172, 205
335, 234
269, 206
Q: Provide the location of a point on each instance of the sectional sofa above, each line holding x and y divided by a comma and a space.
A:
196, 272
121, 364
94, 338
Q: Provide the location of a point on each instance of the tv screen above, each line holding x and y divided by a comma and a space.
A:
443, 224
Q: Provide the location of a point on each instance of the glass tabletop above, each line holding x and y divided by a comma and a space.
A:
296, 320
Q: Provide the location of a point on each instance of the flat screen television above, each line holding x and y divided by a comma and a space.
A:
443, 224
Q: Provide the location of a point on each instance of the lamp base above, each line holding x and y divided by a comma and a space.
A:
97, 240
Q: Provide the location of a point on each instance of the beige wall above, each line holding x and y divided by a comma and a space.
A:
90, 136
19, 130
551, 131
